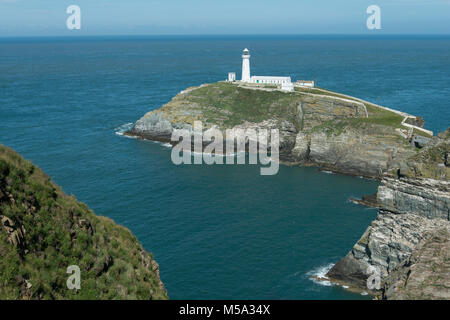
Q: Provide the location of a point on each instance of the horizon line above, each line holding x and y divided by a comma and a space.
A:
230, 35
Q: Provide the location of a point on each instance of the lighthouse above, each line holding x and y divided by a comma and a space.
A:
246, 65
267, 82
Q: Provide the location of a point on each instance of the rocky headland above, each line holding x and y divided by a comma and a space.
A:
43, 231
409, 240
317, 127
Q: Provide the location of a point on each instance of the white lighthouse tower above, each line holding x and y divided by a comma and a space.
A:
246, 65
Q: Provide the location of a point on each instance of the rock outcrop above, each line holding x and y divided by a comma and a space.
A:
409, 241
332, 131
424, 274
341, 134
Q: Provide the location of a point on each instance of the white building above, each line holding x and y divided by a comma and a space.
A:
305, 83
285, 83
269, 79
231, 76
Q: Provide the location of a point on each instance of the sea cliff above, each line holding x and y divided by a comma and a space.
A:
409, 242
43, 231
317, 127
351, 136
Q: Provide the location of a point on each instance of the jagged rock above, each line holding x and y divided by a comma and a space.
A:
354, 152
425, 274
410, 209
409, 240
302, 147
16, 234
426, 197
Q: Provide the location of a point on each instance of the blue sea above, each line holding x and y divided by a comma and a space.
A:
218, 232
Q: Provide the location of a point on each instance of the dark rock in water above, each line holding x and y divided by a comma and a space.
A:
349, 271
367, 200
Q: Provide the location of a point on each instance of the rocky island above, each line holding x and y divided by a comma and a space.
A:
409, 242
43, 231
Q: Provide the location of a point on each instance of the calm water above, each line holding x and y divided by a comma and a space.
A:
216, 231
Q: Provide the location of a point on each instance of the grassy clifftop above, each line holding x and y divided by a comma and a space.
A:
229, 104
43, 231
337, 132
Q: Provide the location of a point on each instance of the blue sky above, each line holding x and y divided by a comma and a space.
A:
120, 17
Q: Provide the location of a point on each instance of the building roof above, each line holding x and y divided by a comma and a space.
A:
270, 78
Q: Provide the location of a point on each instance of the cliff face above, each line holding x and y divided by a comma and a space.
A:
366, 151
44, 231
425, 274
316, 127
409, 241
346, 135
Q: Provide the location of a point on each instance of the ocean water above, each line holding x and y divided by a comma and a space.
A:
218, 232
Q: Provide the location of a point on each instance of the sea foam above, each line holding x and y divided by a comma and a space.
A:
320, 273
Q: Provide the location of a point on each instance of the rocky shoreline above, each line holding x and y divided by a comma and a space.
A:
345, 135
410, 238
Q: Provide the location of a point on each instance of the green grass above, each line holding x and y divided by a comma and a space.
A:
57, 234
259, 105
376, 115
227, 104
383, 117
243, 104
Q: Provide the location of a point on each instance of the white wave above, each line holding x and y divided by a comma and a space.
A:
166, 145
120, 130
364, 293
209, 154
320, 273
327, 172
126, 136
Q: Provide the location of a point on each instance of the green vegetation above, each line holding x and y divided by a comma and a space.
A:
376, 115
258, 105
228, 104
433, 161
43, 231
323, 92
